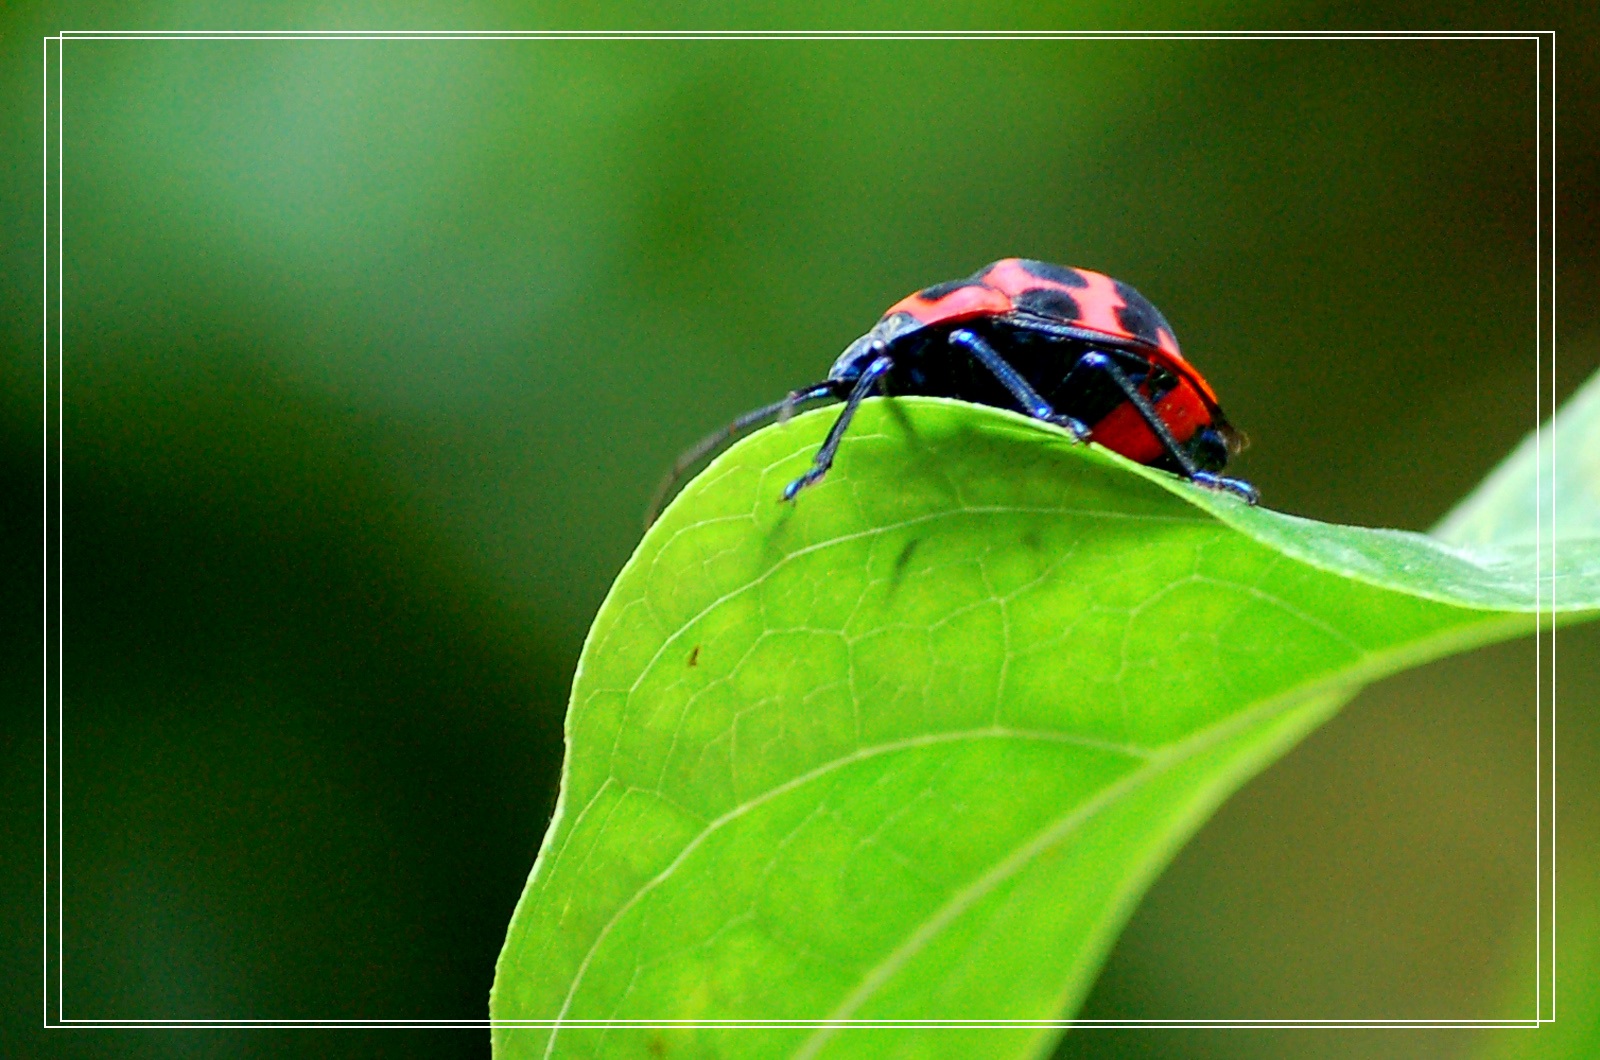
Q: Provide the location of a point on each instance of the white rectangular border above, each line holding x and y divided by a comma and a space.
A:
53, 865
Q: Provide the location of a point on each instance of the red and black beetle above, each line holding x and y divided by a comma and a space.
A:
1068, 346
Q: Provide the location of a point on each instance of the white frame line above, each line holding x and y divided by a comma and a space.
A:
1538, 556
1540, 529
1541, 612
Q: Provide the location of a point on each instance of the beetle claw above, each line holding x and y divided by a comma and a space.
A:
808, 479
1072, 426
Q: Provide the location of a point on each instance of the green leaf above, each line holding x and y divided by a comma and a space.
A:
913, 747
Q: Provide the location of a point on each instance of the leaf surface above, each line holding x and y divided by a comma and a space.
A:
913, 747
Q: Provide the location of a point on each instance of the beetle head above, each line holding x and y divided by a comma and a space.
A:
860, 353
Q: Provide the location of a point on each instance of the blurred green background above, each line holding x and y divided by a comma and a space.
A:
375, 350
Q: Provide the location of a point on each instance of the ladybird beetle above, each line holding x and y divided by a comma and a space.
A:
1068, 346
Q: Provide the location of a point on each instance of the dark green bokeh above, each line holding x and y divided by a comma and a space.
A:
375, 350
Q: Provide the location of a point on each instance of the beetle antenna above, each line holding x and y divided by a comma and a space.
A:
781, 411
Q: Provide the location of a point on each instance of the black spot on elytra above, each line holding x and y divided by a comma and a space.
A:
1044, 270
694, 656
939, 290
977, 277
1138, 316
1047, 302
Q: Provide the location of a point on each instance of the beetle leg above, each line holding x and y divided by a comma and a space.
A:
1030, 400
820, 464
1236, 486
1094, 360
778, 410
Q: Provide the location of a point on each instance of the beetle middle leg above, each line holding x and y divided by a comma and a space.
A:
1031, 401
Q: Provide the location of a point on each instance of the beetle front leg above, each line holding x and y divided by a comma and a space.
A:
865, 384
778, 410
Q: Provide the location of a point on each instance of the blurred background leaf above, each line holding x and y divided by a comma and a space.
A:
375, 350
1517, 503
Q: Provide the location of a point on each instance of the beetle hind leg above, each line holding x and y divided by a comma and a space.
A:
1095, 361
1236, 486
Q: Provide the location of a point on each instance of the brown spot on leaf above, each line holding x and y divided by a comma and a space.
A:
694, 656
